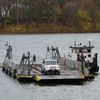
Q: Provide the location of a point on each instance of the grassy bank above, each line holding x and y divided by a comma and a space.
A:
44, 28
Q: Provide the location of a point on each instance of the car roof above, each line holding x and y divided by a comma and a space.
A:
50, 60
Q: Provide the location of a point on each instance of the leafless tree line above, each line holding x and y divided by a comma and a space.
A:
65, 12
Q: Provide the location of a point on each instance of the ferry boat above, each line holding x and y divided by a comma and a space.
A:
83, 67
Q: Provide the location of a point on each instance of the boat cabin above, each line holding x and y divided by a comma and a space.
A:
83, 50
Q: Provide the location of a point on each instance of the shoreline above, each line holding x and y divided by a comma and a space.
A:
44, 28
45, 33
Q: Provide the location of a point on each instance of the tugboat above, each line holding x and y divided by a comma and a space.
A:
84, 55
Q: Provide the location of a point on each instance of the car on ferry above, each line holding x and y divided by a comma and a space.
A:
50, 67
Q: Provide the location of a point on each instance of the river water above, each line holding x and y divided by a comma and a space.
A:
11, 89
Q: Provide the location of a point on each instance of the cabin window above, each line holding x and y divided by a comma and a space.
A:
80, 50
84, 56
88, 50
89, 55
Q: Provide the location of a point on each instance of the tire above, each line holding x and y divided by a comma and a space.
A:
14, 73
6, 71
57, 73
3, 69
14, 76
9, 73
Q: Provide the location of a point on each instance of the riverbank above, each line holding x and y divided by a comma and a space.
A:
44, 28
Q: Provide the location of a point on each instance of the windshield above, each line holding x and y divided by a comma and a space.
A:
50, 62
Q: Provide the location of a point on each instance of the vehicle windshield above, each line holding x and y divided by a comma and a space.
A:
50, 62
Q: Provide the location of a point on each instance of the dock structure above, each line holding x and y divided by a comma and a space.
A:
29, 70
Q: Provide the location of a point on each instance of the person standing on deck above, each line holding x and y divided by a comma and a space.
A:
9, 52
